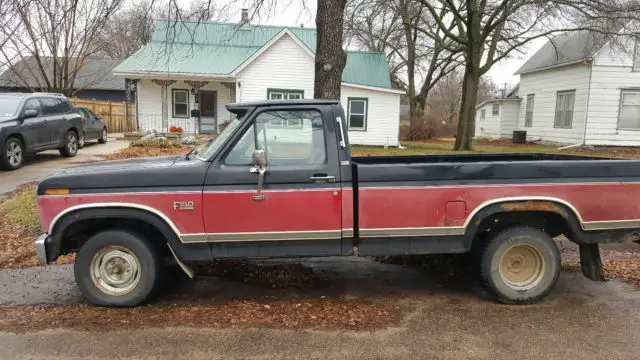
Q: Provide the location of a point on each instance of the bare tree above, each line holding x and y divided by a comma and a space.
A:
487, 31
330, 58
46, 42
391, 27
131, 28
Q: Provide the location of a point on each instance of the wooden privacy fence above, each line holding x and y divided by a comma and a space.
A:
113, 113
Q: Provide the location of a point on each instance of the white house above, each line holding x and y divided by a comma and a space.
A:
579, 88
205, 65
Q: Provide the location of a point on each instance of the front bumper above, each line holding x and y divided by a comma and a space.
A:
41, 249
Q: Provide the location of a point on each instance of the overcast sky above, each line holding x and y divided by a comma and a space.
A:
297, 12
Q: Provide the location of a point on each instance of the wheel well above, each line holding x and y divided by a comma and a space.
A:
73, 128
19, 137
78, 232
551, 223
553, 218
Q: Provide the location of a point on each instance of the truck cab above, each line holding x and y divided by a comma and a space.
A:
279, 181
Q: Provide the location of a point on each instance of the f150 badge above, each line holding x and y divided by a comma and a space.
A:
183, 205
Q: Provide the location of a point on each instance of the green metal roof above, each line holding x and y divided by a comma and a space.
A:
213, 48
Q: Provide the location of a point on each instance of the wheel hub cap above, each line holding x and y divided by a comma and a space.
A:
115, 270
72, 143
522, 267
14, 154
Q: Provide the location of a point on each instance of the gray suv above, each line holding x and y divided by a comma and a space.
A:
30, 123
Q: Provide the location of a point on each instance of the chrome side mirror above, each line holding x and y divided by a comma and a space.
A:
259, 159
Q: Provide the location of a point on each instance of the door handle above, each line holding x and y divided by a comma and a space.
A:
323, 177
45, 121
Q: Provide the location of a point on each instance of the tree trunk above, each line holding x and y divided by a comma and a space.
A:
466, 122
330, 57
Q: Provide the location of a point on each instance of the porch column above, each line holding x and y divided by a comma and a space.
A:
163, 94
232, 91
196, 85
129, 86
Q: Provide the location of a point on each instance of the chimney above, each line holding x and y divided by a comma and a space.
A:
244, 20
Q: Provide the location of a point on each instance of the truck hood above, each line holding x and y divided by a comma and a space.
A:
165, 173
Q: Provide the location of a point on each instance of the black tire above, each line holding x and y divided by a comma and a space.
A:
82, 140
12, 154
507, 259
103, 137
70, 147
96, 288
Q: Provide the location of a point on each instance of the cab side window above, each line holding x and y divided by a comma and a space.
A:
289, 137
33, 104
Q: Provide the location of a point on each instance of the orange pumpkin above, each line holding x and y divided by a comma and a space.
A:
179, 130
172, 129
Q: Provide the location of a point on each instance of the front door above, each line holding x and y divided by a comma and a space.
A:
298, 210
33, 128
208, 123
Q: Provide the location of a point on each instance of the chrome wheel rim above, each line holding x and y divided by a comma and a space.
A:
522, 267
72, 143
14, 154
115, 270
104, 135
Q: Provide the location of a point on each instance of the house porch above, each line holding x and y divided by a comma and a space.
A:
166, 102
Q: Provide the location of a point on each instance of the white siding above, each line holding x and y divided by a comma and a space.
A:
383, 117
509, 113
612, 72
284, 65
545, 85
489, 127
150, 104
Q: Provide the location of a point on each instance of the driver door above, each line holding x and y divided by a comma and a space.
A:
300, 199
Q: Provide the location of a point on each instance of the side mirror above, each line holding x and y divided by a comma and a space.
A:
29, 113
259, 158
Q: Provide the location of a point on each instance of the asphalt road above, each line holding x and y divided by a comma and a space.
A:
42, 164
580, 320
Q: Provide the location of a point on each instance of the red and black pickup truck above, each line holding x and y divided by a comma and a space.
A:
279, 181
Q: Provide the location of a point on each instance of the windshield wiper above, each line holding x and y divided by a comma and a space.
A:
197, 149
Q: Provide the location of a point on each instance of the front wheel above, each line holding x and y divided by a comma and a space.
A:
81, 140
70, 147
118, 269
12, 154
519, 265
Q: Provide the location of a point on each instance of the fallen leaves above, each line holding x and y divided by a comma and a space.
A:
314, 314
20, 228
136, 152
271, 275
623, 265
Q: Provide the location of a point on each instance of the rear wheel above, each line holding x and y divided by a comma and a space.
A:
81, 140
12, 154
70, 147
103, 137
118, 269
519, 265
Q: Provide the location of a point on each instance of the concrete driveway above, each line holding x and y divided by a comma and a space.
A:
42, 164
442, 320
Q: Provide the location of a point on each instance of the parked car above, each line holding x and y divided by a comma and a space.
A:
279, 181
93, 127
34, 122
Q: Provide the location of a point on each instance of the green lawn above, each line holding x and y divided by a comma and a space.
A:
433, 147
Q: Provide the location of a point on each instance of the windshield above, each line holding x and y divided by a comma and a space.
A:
206, 152
8, 106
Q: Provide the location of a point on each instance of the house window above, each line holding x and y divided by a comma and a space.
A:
636, 55
483, 114
495, 110
283, 94
357, 113
180, 103
629, 117
564, 109
528, 117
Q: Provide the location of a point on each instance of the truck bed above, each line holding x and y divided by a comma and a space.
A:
491, 168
